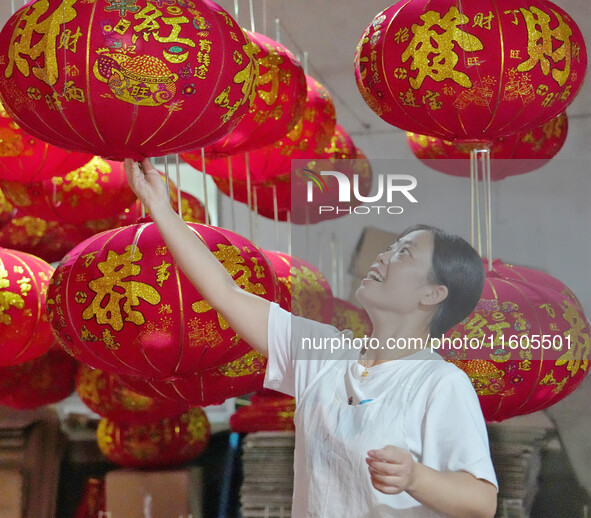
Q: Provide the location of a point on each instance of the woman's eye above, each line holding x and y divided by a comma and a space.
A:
403, 249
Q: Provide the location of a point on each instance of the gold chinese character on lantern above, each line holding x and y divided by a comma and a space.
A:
38, 40
150, 26
579, 343
116, 296
541, 45
432, 47
8, 299
480, 20
69, 41
272, 61
162, 273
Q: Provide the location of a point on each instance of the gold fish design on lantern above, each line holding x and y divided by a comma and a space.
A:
141, 80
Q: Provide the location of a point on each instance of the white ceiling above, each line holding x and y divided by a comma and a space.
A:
328, 30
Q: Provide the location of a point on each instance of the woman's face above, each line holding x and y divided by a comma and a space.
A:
398, 279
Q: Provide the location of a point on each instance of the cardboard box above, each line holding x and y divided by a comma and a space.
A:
154, 494
11, 493
372, 242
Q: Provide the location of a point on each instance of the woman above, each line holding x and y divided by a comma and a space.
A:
381, 433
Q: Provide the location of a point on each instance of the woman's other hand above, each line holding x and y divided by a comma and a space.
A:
391, 469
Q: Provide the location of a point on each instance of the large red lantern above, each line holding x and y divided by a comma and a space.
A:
24, 327
208, 387
308, 139
470, 70
310, 295
119, 303
525, 346
178, 76
105, 394
97, 190
279, 102
159, 444
510, 155
42, 381
24, 158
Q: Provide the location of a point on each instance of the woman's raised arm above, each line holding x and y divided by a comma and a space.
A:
246, 313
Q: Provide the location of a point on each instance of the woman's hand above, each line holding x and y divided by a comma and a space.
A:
146, 183
391, 469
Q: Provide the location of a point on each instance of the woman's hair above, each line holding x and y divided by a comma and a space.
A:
457, 266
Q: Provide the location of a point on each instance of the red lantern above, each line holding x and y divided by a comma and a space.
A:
119, 303
309, 291
473, 71
24, 328
309, 138
535, 345
510, 155
267, 412
24, 158
179, 76
49, 240
96, 190
278, 105
208, 387
165, 443
349, 316
42, 381
106, 395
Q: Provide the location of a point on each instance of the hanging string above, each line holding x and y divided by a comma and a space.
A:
333, 262
487, 187
167, 176
256, 219
264, 16
277, 30
12, 7
205, 197
288, 232
341, 270
276, 216
249, 196
232, 202
474, 173
251, 7
236, 11
305, 65
177, 161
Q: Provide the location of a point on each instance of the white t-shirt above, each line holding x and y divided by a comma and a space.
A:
420, 403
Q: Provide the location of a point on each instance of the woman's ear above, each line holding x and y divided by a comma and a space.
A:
436, 294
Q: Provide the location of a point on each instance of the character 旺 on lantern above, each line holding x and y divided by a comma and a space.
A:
536, 343
510, 155
72, 71
119, 303
470, 71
